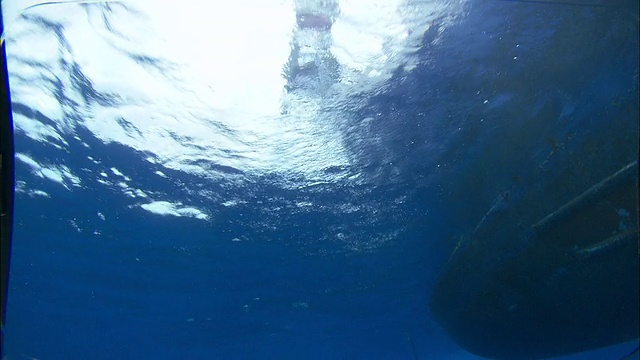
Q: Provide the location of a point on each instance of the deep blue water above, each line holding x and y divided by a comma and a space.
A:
289, 265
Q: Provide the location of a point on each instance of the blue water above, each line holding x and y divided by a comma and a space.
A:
150, 223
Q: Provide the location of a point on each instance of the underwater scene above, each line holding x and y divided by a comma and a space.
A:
323, 179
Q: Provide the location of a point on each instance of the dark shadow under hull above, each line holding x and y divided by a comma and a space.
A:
567, 283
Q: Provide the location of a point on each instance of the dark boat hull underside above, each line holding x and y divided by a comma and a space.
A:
567, 283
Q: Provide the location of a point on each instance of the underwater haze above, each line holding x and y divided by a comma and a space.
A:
286, 179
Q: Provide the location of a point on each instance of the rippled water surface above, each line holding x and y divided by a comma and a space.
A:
283, 179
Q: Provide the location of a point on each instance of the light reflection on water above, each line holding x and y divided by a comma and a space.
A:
201, 89
249, 93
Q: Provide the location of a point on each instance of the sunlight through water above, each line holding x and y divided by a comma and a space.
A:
204, 91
